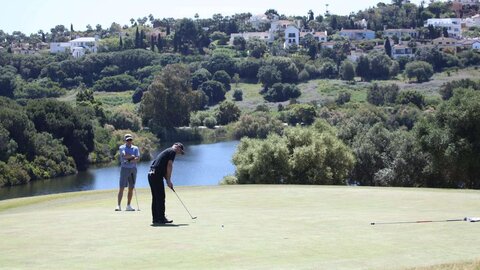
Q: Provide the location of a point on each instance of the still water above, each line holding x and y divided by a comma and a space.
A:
203, 164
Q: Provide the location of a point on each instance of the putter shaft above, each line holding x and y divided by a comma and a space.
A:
192, 217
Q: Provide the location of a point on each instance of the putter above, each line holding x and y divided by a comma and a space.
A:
183, 204
136, 197
469, 219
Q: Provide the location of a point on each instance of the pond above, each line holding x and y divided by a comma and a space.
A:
204, 164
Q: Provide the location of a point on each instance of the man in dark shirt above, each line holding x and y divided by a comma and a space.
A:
162, 168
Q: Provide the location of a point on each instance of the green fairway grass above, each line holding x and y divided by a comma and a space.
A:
244, 227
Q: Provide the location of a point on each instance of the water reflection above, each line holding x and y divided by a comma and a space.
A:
204, 164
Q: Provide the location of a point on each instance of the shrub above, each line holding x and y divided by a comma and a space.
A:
420, 70
301, 156
238, 95
210, 122
282, 92
342, 98
347, 71
227, 112
125, 119
116, 83
214, 90
257, 125
299, 114
223, 77
303, 76
382, 94
413, 97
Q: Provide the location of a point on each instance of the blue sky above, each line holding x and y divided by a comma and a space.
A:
29, 16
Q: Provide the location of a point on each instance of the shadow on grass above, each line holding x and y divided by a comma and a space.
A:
169, 225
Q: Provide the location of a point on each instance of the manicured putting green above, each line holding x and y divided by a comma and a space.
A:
243, 227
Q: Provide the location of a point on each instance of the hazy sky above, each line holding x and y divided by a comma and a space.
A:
29, 16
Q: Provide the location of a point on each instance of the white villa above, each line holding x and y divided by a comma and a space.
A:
357, 34
400, 33
77, 47
400, 50
472, 21
468, 2
268, 37
294, 36
453, 25
259, 19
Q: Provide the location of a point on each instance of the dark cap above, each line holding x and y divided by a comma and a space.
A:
180, 146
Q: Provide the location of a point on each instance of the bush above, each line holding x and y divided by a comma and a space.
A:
200, 76
302, 156
238, 95
257, 125
223, 77
282, 92
198, 118
125, 119
303, 76
447, 89
43, 88
342, 98
347, 71
116, 83
303, 114
210, 122
227, 112
248, 68
413, 97
420, 70
229, 180
382, 94
214, 90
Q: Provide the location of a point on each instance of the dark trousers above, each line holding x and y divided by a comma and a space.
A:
158, 196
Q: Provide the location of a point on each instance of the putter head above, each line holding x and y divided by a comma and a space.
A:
194, 217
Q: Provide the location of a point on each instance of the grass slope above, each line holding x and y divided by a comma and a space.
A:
265, 227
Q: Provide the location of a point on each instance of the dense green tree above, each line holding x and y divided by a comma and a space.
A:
227, 112
302, 156
185, 37
116, 83
221, 62
200, 76
420, 70
42, 88
66, 123
451, 137
303, 114
382, 94
282, 92
248, 68
237, 95
257, 125
388, 47
256, 47
447, 89
363, 67
413, 97
347, 71
222, 77
268, 75
215, 91
166, 103
7, 81
286, 67
240, 43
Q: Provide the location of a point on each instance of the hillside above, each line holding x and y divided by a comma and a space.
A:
244, 227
